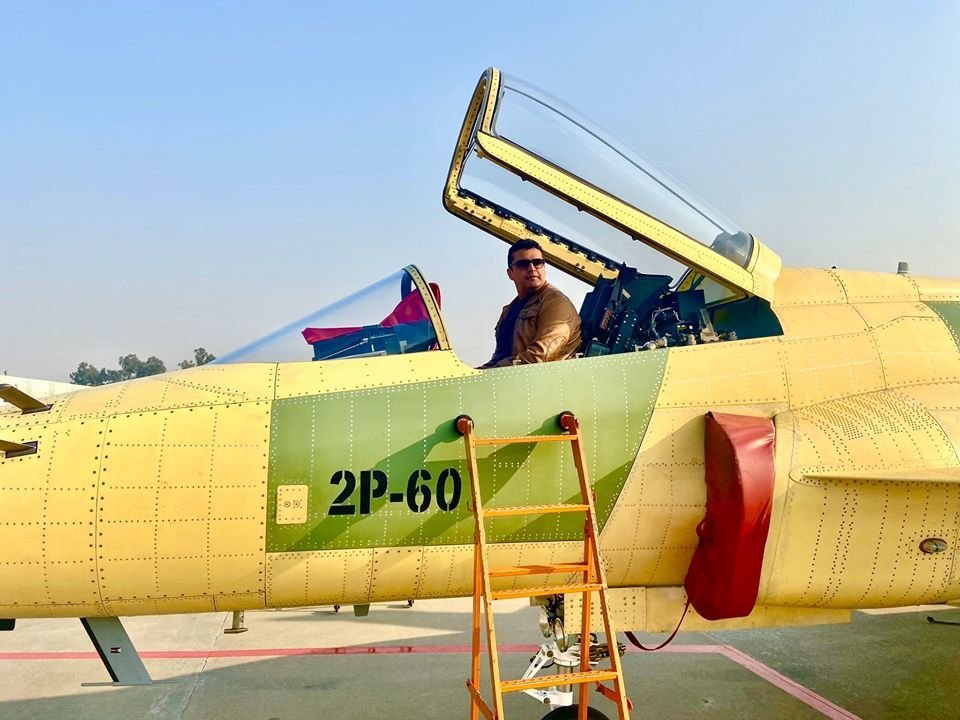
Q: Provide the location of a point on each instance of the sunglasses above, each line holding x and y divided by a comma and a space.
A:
525, 264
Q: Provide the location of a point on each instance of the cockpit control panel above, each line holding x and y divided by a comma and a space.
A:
634, 311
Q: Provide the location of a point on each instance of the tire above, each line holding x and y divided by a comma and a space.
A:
570, 713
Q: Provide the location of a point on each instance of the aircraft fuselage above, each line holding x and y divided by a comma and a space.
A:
266, 485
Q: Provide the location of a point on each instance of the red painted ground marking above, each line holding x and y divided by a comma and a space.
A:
804, 695
791, 687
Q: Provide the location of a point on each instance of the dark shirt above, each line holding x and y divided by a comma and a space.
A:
506, 330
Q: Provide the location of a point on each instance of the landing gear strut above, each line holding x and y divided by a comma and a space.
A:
563, 653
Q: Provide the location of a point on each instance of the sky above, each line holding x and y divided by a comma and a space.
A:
183, 174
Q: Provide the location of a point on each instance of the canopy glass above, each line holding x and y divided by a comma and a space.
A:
396, 315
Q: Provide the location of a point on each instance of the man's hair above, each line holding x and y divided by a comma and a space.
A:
522, 245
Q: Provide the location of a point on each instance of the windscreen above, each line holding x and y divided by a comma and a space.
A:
389, 317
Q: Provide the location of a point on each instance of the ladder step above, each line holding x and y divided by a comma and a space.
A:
524, 439
549, 590
517, 570
577, 678
534, 510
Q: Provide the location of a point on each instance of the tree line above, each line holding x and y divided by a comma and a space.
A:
133, 367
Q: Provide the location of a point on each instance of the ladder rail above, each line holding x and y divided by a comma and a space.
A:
592, 534
480, 579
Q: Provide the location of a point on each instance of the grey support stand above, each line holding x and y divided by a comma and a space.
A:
116, 651
236, 626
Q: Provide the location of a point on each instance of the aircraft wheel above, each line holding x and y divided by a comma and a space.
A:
570, 713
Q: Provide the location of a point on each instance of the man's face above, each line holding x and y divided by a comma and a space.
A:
524, 272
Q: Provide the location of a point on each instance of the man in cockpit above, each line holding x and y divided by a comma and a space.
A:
540, 324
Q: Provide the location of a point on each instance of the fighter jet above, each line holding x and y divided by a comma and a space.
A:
777, 445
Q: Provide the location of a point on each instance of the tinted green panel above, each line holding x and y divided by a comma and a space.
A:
400, 447
950, 312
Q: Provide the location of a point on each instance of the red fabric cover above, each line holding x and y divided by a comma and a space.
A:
724, 575
435, 289
314, 335
409, 310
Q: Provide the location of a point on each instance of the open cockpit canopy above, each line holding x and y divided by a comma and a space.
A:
525, 166
399, 314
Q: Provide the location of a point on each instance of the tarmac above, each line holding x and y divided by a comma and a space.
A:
401, 662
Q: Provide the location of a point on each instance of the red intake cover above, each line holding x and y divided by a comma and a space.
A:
724, 575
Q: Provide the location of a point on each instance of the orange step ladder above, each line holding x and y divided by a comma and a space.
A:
592, 580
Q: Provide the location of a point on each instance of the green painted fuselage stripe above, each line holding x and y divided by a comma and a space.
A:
950, 313
381, 437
